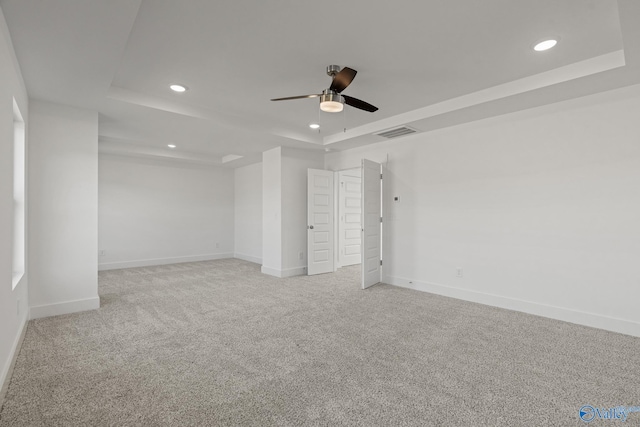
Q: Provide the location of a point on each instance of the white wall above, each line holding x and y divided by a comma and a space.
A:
248, 213
13, 302
63, 209
284, 225
539, 208
295, 164
272, 211
156, 212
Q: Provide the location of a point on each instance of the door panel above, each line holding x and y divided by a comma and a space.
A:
371, 214
319, 221
350, 217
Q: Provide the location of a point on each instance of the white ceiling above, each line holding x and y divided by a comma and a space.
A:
427, 64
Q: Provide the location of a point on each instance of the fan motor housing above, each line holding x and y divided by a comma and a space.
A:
329, 95
331, 101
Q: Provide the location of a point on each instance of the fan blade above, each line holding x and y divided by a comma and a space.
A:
342, 79
355, 102
297, 97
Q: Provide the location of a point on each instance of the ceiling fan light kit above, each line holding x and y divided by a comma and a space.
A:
331, 99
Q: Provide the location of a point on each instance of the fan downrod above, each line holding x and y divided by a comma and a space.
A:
332, 70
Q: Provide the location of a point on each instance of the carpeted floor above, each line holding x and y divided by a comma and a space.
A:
218, 343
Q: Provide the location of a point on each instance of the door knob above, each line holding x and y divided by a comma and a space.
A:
311, 227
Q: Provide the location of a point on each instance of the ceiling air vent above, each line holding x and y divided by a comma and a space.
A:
397, 132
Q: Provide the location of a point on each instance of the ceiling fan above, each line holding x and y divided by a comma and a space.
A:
332, 100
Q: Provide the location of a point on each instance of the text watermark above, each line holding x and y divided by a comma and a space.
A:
589, 413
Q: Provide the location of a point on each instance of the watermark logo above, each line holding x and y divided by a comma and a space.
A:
589, 413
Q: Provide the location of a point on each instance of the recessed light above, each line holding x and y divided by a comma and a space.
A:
171, 146
545, 45
314, 126
178, 88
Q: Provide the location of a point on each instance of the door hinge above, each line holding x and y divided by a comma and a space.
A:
380, 176
380, 262
380, 219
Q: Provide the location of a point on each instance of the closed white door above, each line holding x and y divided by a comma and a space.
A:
350, 219
319, 221
371, 223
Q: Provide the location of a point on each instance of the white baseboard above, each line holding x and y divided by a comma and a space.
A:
161, 261
249, 258
7, 369
66, 307
295, 271
287, 272
270, 271
559, 313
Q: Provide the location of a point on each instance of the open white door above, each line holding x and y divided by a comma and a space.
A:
371, 214
319, 221
350, 217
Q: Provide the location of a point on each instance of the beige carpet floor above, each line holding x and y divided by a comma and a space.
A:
218, 343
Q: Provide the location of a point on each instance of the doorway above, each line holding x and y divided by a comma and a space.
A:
352, 235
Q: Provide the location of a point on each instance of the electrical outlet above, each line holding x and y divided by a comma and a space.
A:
217, 245
459, 272
300, 255
103, 252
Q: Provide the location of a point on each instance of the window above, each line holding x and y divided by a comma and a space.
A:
18, 195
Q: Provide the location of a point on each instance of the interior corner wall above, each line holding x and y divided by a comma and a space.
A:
154, 212
248, 213
538, 210
284, 195
272, 212
295, 164
13, 301
63, 209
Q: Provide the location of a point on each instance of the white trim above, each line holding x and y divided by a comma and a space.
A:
64, 308
162, 261
270, 271
249, 258
287, 272
295, 271
336, 219
559, 313
16, 278
7, 369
